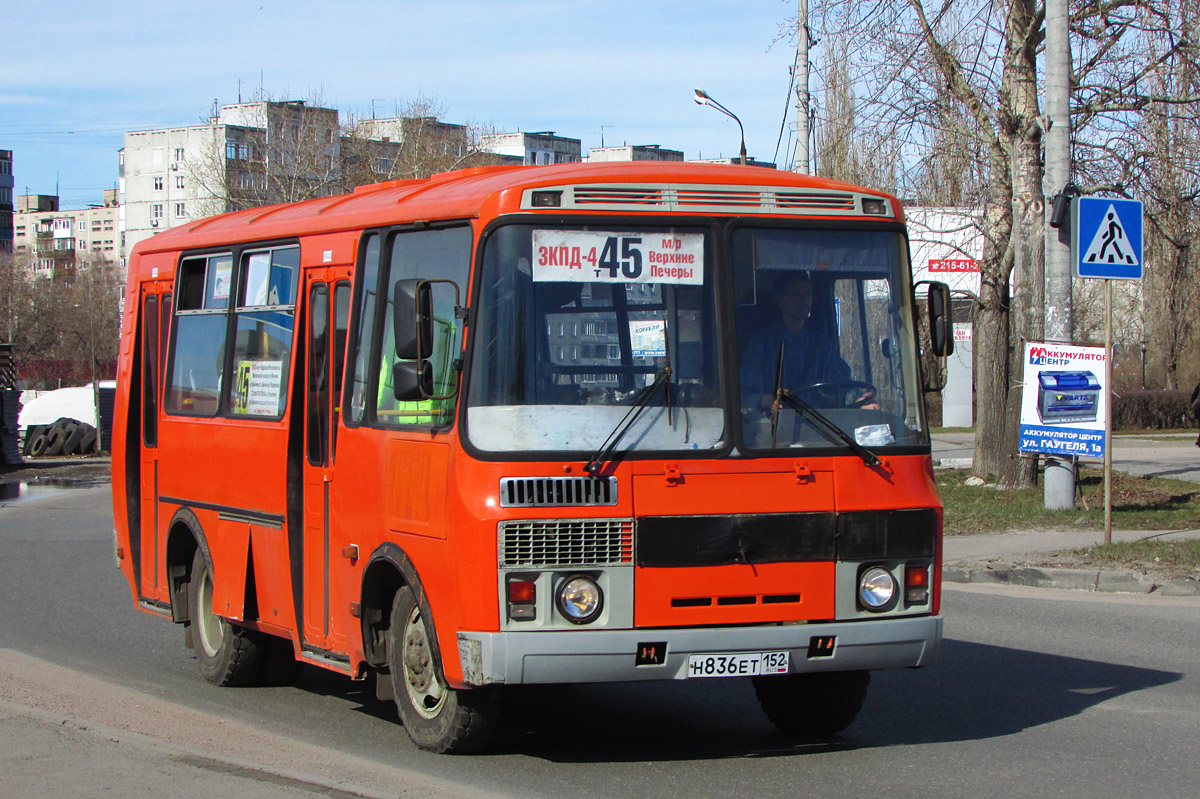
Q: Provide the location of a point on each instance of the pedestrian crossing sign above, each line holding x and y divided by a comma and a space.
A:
1106, 238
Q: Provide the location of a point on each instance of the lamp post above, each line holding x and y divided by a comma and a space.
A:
701, 97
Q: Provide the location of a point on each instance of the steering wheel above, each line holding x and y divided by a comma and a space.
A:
845, 386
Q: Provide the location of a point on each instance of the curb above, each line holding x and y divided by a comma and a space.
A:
1105, 582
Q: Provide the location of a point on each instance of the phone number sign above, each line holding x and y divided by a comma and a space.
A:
585, 256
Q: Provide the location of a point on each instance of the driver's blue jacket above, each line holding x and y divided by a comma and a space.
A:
808, 357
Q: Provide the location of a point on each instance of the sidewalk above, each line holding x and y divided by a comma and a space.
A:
1012, 558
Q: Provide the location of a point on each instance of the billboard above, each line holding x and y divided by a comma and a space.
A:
1064, 401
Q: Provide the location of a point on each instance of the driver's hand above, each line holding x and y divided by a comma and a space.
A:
868, 402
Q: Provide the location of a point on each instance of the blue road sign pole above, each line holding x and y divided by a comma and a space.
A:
1106, 244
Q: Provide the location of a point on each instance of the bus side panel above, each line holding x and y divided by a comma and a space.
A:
228, 466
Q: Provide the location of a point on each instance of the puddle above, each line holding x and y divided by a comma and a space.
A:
45, 487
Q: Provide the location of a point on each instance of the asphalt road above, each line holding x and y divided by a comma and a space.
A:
1037, 693
1172, 455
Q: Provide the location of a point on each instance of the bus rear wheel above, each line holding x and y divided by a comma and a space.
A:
437, 717
228, 655
814, 705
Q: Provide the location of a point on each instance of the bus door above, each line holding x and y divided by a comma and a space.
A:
327, 298
155, 308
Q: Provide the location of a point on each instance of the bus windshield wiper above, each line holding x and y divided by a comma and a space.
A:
663, 378
824, 425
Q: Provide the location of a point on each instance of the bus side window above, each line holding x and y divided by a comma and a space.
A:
265, 320
150, 367
443, 254
367, 288
197, 360
341, 323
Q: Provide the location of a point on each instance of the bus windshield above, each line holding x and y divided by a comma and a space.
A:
591, 337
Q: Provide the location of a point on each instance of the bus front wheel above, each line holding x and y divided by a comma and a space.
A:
814, 705
437, 718
227, 655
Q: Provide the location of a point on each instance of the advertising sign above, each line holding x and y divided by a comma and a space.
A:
579, 256
953, 265
1064, 401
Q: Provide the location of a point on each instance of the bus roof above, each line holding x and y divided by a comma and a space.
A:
495, 190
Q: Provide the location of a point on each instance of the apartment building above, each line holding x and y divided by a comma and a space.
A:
634, 152
542, 147
6, 201
49, 242
246, 155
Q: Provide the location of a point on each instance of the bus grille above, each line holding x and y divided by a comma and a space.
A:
541, 492
712, 199
566, 542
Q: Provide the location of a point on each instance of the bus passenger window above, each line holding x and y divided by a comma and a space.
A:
262, 344
198, 355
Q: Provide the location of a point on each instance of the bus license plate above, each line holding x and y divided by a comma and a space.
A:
742, 664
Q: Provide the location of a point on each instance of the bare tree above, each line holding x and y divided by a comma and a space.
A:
966, 74
268, 152
413, 144
61, 325
1138, 107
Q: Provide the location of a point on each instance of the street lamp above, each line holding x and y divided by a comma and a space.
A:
701, 97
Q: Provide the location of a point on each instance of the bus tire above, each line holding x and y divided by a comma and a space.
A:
437, 718
816, 705
227, 654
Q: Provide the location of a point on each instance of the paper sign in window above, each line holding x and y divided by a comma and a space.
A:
648, 339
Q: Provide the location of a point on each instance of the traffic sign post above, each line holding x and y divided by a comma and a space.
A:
1106, 243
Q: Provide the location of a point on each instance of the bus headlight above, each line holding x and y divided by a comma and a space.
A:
876, 588
580, 599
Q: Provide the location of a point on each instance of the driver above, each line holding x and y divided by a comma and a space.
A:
809, 355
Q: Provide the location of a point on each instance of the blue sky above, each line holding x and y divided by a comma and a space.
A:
76, 74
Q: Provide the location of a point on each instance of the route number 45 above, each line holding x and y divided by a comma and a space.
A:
630, 263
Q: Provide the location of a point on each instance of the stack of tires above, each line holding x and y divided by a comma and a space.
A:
64, 437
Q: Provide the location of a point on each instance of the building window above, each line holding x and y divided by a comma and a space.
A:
5, 191
178, 153
180, 209
158, 184
383, 166
180, 183
156, 211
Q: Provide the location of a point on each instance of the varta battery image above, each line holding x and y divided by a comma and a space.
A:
1067, 397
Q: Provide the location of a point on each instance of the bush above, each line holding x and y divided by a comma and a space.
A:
1152, 410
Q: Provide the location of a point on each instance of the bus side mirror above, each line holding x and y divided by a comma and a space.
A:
941, 325
412, 380
412, 320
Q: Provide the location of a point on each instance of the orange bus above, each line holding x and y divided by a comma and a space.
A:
519, 425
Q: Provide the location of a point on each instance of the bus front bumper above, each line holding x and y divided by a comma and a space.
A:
581, 656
